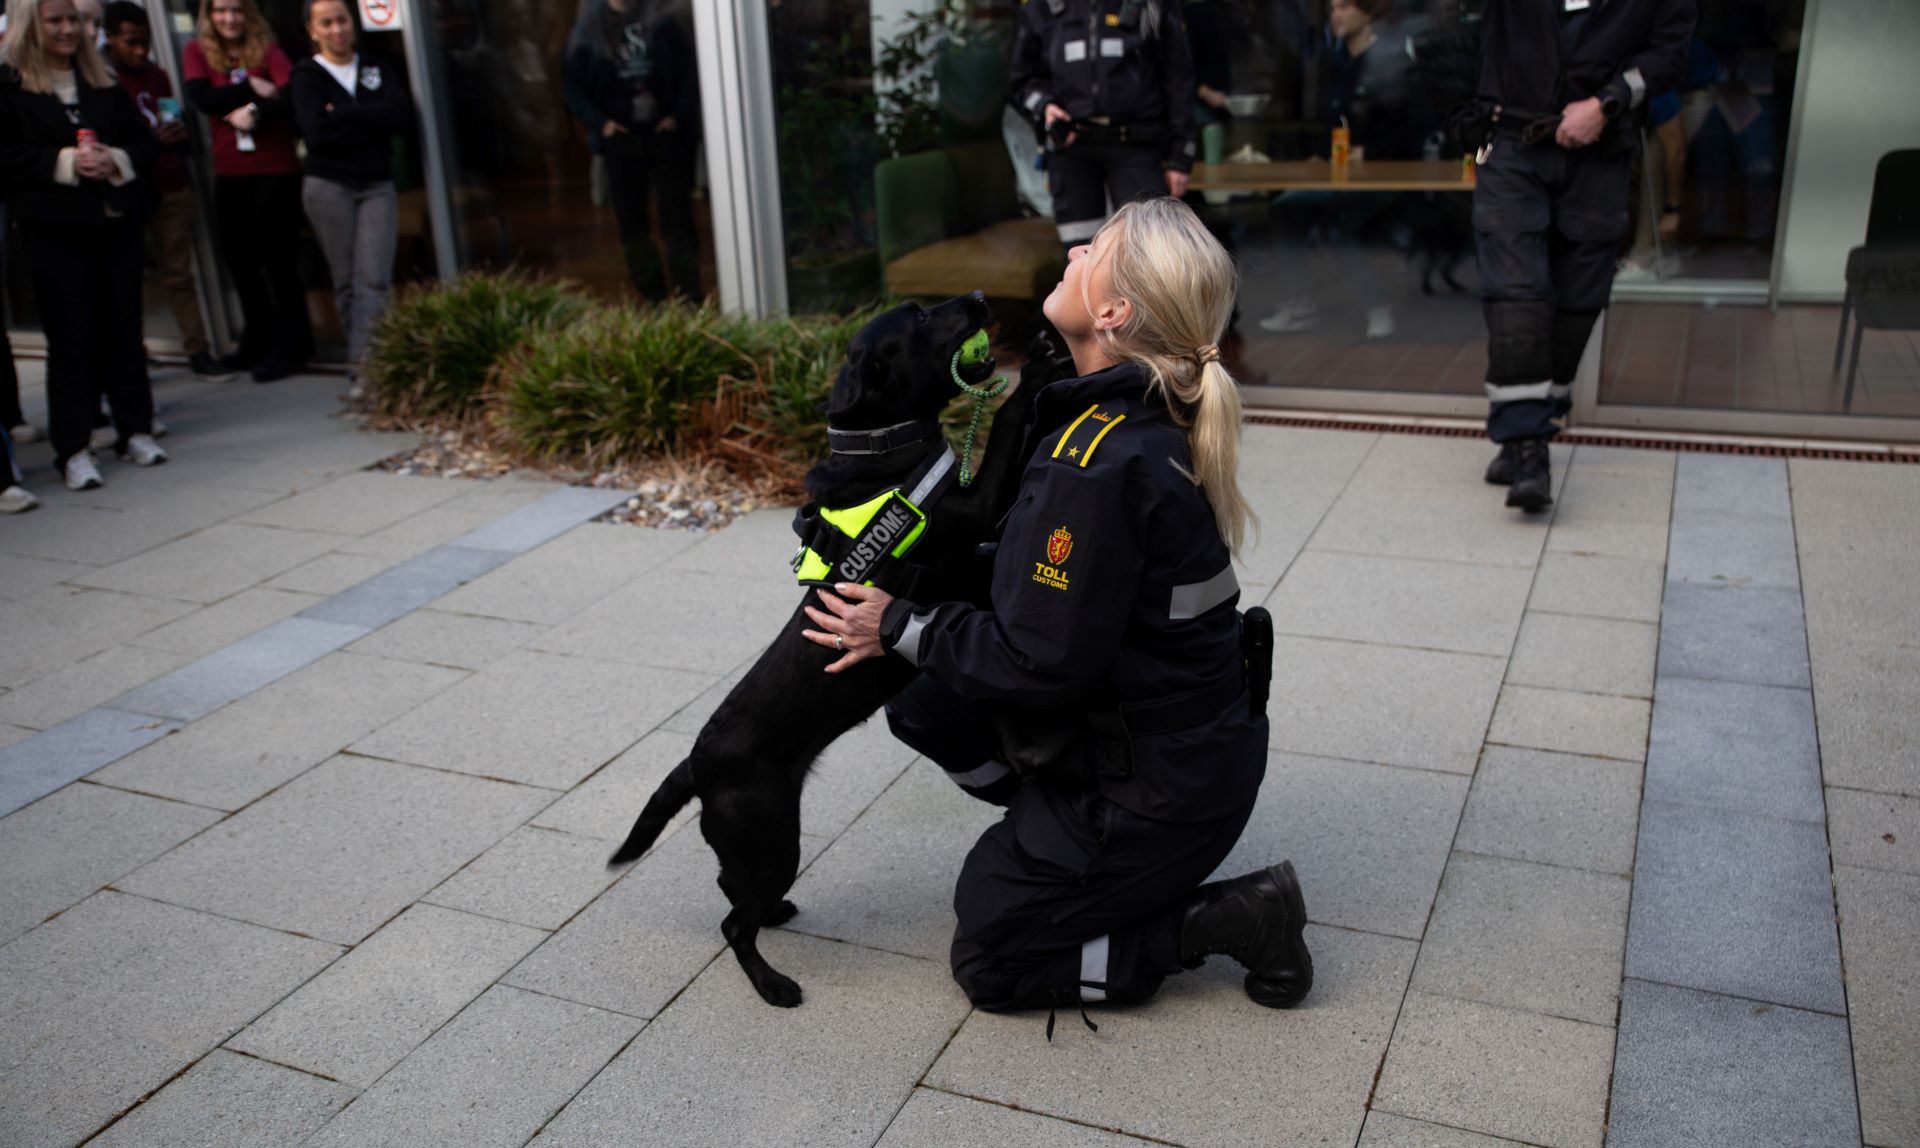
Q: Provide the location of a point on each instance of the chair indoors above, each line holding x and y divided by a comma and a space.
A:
1883, 274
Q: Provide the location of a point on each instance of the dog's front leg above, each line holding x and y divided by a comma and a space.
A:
741, 928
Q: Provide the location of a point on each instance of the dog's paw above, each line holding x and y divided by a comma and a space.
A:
784, 912
778, 990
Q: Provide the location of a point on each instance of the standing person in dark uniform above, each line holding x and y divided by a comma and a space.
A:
1110, 83
1111, 661
1568, 78
630, 77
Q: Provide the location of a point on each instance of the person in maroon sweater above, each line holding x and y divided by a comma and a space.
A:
237, 76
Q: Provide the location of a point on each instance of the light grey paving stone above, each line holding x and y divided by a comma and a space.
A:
375, 1005
1290, 511
330, 573
1609, 538
935, 1119
1587, 655
1385, 1130
1734, 634
1713, 548
51, 630
605, 806
102, 537
406, 587
700, 1073
261, 742
1874, 830
68, 844
1880, 925
692, 717
340, 849
213, 564
111, 999
1857, 590
1290, 457
1595, 725
1731, 484
203, 631
1835, 498
1466, 525
887, 882
68, 693
1368, 841
14, 735
544, 520
1402, 602
36, 766
537, 877
850, 774
716, 623
1527, 936
1613, 497
1735, 903
463, 640
1628, 461
1519, 1075
1696, 1068
1326, 1051
493, 1076
1867, 697
1435, 469
542, 719
1555, 808
1596, 586
1734, 746
1376, 703
412, 537
247, 666
760, 541
645, 939
358, 503
21, 575
230, 1101
565, 576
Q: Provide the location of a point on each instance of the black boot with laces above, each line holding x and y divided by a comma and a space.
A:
1257, 920
1500, 470
1532, 487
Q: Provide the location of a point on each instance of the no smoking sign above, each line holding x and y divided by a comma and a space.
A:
380, 15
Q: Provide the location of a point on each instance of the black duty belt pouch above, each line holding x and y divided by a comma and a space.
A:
1040, 743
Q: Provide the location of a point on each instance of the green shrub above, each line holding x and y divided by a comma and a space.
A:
435, 349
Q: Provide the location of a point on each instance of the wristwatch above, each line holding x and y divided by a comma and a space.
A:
1611, 105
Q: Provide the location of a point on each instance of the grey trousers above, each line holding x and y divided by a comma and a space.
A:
358, 230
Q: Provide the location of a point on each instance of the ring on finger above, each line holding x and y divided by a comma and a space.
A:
840, 643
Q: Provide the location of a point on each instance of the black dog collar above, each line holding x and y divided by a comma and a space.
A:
883, 441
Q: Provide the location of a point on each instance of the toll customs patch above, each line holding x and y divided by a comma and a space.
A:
1048, 573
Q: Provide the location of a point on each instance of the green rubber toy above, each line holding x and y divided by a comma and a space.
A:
976, 349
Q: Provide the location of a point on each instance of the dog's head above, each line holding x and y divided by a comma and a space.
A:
899, 366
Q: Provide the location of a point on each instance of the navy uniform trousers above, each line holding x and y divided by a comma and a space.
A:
1068, 897
1084, 177
1547, 224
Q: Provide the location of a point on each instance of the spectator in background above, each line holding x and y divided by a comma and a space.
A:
349, 106
170, 192
630, 78
79, 210
14, 498
236, 75
12, 420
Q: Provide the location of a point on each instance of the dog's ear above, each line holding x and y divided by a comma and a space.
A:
851, 385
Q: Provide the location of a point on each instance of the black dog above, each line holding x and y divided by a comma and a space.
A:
751, 759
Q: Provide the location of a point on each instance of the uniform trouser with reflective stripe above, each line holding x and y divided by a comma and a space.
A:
1085, 176
1546, 224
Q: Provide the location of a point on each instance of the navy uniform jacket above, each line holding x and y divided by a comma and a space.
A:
1111, 585
1627, 49
1125, 61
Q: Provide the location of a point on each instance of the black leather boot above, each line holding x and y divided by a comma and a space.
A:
1532, 487
1500, 470
1257, 920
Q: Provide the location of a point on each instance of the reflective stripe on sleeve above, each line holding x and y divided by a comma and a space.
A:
1196, 598
1093, 967
908, 646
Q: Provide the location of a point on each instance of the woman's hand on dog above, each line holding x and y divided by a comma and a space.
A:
854, 621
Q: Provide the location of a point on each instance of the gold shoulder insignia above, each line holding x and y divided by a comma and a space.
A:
1082, 436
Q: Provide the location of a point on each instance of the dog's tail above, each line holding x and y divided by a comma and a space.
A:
669, 799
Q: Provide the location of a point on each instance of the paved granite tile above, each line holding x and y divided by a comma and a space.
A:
850, 774
1731, 484
1326, 1052
1586, 655
111, 999
464, 640
340, 849
49, 631
35, 766
1868, 701
375, 1005
1733, 746
537, 877
1591, 724
1434, 469
1696, 1068
564, 577
245, 667
21, 575
229, 1101
605, 805
99, 536
1880, 927
1378, 519
1385, 1130
203, 631
213, 564
330, 573
759, 542
1734, 634
65, 846
1368, 841
261, 742
68, 693
1526, 936
1613, 497
1857, 591
1518, 1075
645, 939
1376, 703
1835, 498
539, 522
716, 623
412, 537
1554, 808
1628, 461
542, 719
935, 1119
1609, 538
1402, 602
493, 1076
406, 587
1596, 586
358, 503
1735, 903
1874, 830
720, 1067
1712, 548
692, 717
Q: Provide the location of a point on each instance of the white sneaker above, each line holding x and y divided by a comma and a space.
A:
141, 450
83, 472
26, 433
17, 500
1379, 322
159, 429
1292, 316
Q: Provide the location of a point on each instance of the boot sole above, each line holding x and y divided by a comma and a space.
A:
1273, 992
1529, 503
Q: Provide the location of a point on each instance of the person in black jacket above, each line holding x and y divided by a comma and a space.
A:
349, 106
630, 77
1110, 661
78, 208
1550, 205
